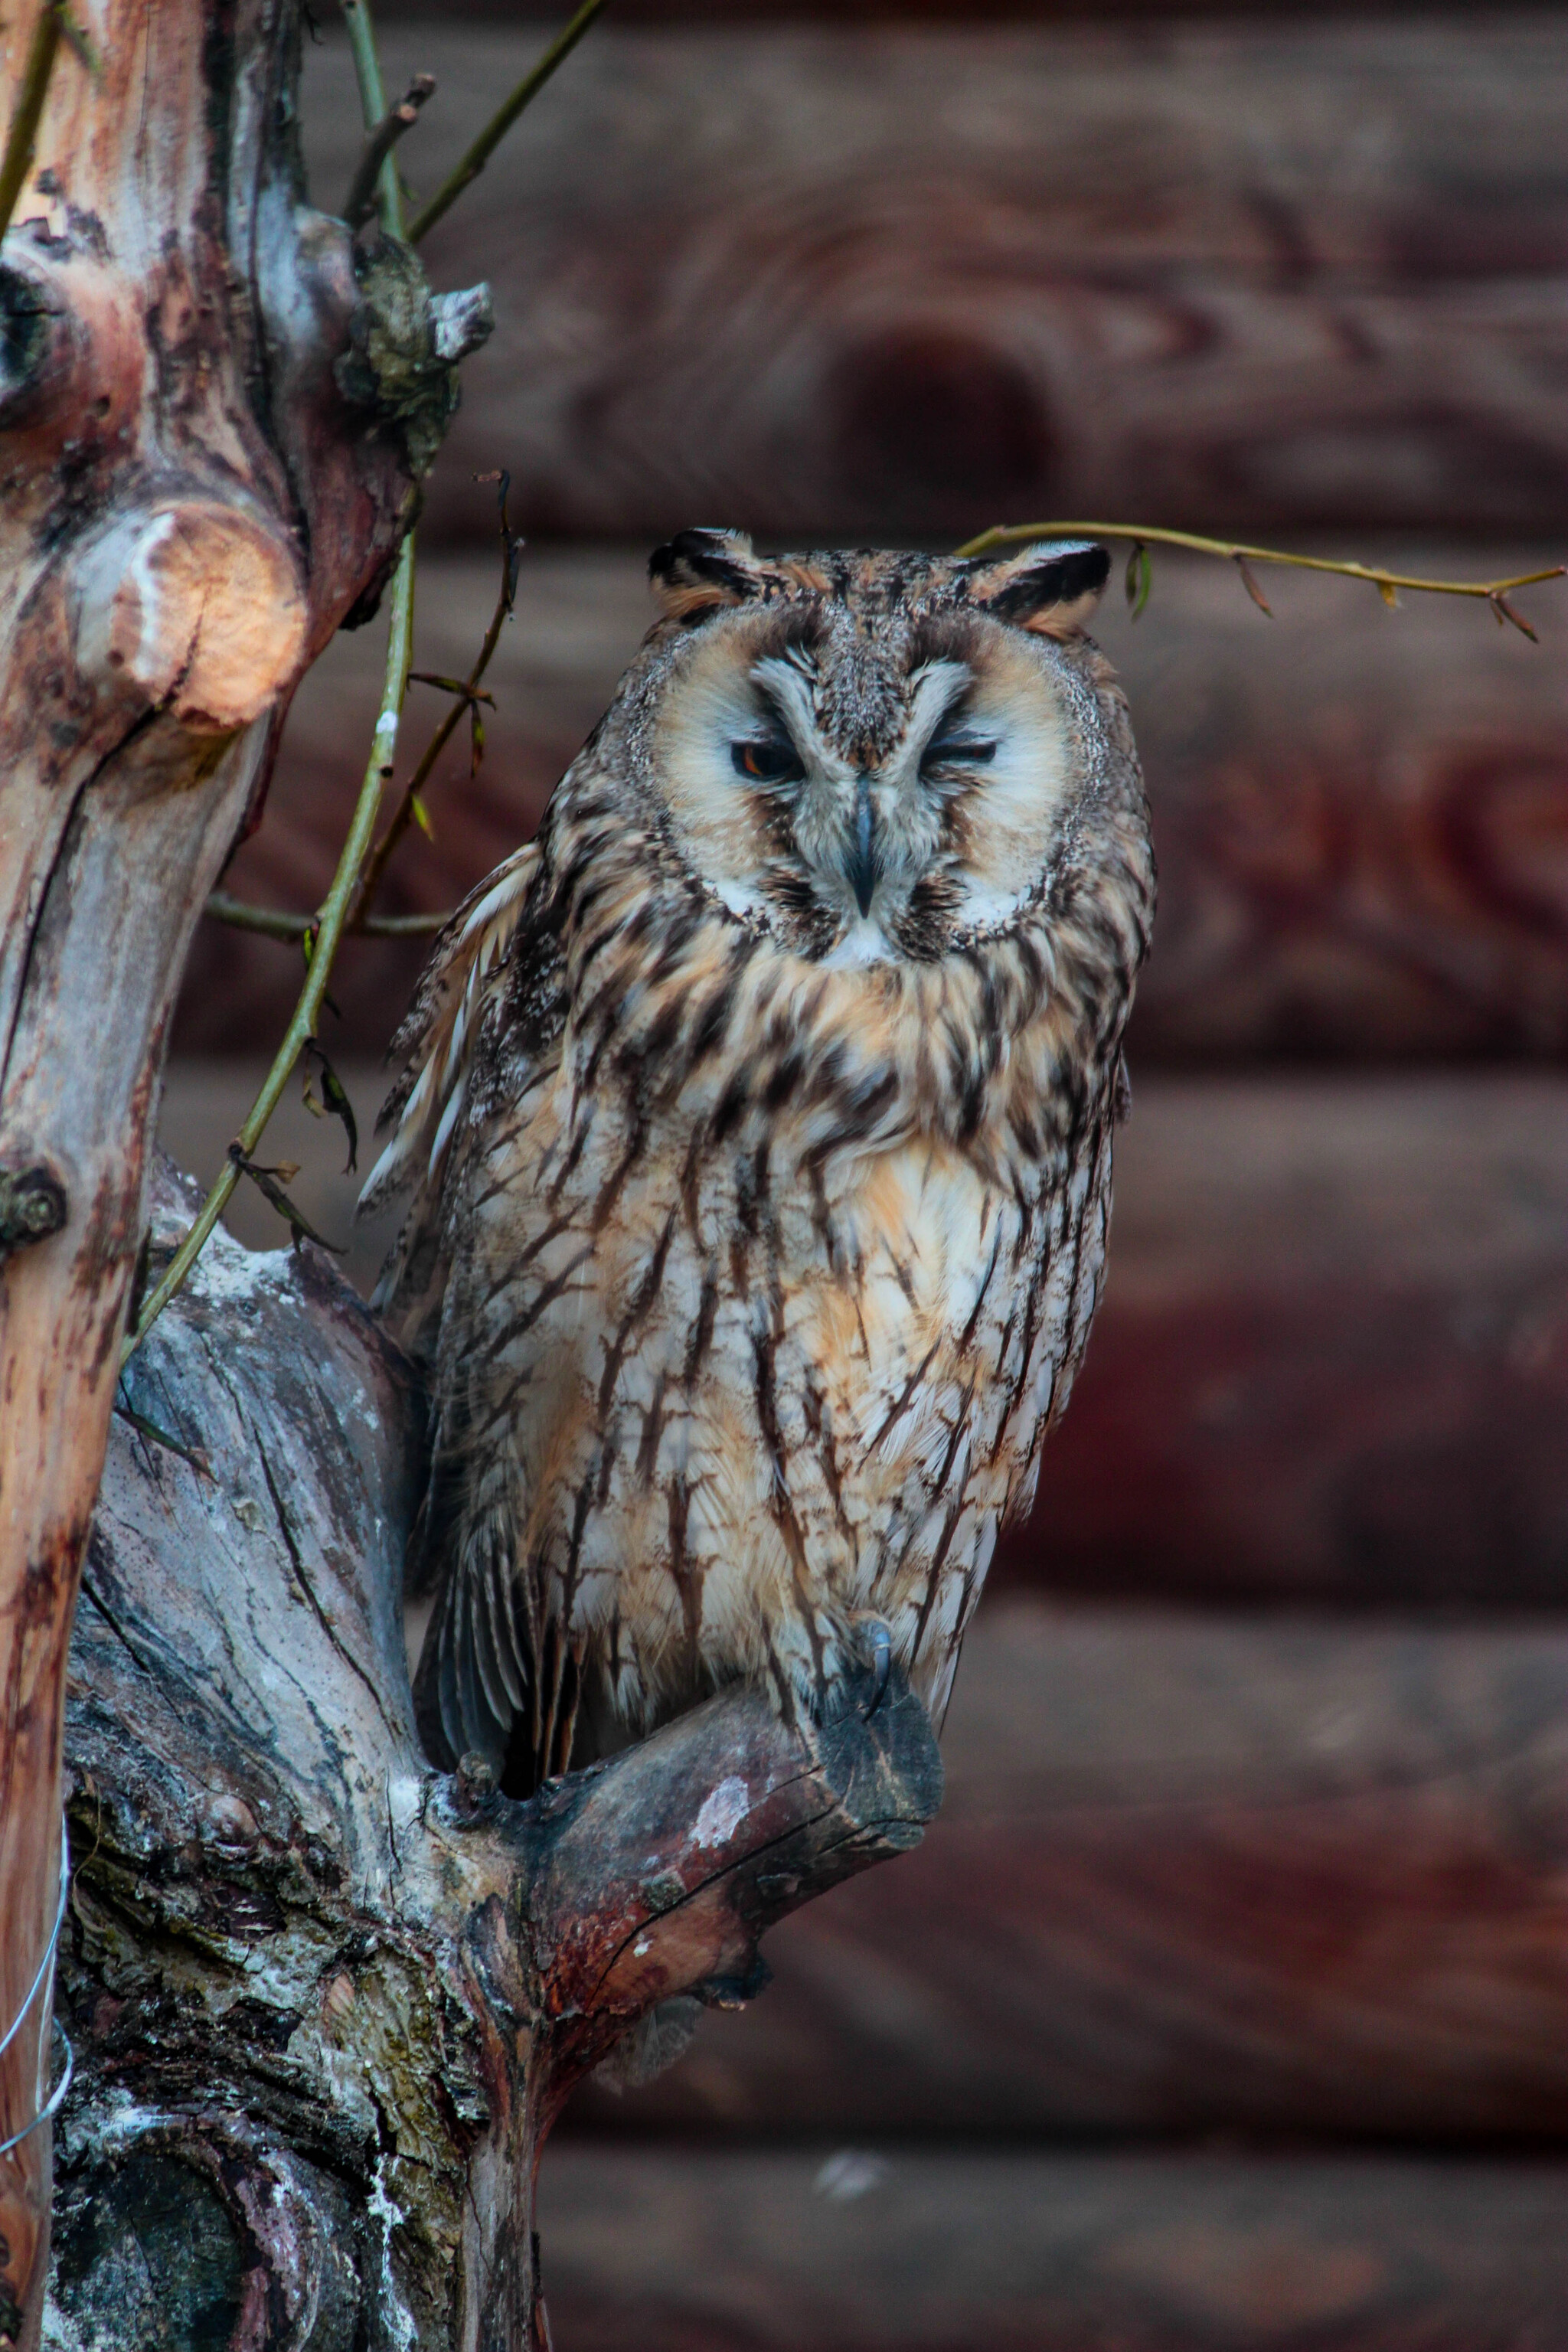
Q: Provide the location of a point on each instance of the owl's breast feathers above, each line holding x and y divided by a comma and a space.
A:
758, 1281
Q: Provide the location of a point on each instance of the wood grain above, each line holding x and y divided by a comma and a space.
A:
677, 2249
1331, 1363
430, 15
844, 280
1361, 817
1192, 1874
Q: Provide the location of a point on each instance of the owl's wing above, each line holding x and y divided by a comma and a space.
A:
438, 1044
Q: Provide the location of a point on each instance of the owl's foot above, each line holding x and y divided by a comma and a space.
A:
881, 1645
844, 1670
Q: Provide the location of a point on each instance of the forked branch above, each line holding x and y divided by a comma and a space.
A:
405, 1971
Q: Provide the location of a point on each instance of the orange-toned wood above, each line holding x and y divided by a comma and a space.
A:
183, 523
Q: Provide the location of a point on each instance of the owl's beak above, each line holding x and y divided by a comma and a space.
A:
860, 863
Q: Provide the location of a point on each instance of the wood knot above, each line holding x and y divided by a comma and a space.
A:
196, 606
473, 1788
339, 1998
32, 1206
230, 1824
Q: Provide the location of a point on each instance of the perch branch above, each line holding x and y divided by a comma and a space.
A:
328, 930
408, 1969
495, 130
1387, 583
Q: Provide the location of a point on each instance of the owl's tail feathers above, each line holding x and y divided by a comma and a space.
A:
463, 1699
477, 1693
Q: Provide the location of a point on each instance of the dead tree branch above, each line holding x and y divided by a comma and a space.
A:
326, 2000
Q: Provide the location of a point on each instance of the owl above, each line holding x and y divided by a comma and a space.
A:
757, 1119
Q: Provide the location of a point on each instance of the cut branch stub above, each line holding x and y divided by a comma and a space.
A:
193, 607
32, 1206
658, 1874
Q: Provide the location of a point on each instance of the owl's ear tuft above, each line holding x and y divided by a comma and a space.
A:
697, 571
1051, 586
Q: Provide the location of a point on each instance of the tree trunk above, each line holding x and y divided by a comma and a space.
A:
326, 2003
191, 507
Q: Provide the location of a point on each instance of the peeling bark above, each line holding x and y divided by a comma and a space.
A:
326, 2002
192, 500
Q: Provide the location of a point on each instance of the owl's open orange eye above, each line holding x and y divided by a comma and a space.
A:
767, 759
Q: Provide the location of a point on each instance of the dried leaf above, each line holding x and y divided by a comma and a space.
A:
477, 741
1505, 612
334, 1101
149, 1428
1250, 584
511, 542
269, 1183
1389, 594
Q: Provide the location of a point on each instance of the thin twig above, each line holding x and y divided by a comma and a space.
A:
372, 106
1388, 583
274, 923
495, 130
361, 200
36, 71
330, 930
376, 862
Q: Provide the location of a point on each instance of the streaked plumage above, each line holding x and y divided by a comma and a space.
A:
758, 1121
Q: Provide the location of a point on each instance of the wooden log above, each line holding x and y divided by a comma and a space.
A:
1051, 2250
429, 15
1192, 1874
829, 281
1361, 816
326, 2002
1331, 1366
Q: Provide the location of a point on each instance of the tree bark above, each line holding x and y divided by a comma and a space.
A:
191, 507
327, 2003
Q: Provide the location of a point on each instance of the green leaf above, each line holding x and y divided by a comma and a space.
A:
334, 1102
1140, 577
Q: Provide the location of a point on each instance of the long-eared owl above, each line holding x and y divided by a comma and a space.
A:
757, 1120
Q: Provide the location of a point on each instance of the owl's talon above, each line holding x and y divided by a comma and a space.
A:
881, 1663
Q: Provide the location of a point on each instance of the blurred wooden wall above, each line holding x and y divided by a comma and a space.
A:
1258, 1821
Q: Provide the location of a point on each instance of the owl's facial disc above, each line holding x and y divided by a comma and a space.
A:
862, 842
